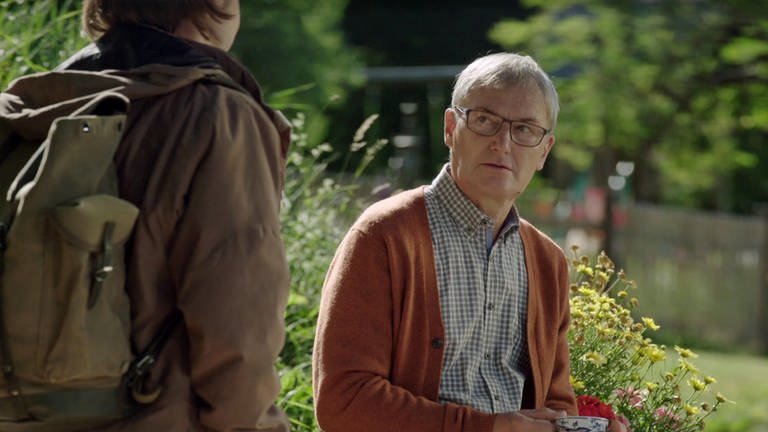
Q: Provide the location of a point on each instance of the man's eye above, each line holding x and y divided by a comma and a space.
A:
482, 119
523, 128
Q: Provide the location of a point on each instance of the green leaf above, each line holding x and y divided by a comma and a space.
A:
744, 50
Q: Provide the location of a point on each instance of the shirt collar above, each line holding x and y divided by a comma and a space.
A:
461, 209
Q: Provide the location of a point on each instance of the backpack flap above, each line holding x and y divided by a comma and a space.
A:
82, 221
75, 158
96, 224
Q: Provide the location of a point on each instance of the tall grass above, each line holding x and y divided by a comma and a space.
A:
316, 213
36, 35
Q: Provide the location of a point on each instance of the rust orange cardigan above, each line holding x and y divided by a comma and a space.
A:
379, 344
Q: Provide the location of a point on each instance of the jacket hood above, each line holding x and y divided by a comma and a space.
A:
32, 103
140, 61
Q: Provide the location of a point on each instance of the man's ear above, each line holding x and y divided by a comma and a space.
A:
549, 142
449, 126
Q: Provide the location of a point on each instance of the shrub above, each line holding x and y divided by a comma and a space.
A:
316, 212
614, 363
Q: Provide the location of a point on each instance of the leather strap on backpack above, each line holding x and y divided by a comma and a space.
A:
134, 377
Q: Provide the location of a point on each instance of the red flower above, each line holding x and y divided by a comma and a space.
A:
593, 406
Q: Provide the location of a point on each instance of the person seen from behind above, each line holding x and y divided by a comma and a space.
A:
204, 163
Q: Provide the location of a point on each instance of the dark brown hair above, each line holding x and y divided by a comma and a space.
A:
100, 15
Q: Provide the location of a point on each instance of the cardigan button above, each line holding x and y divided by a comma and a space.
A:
437, 343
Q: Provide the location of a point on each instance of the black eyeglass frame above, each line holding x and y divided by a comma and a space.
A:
465, 111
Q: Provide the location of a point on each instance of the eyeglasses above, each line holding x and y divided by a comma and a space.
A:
488, 124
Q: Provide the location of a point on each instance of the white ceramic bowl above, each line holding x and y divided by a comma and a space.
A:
581, 424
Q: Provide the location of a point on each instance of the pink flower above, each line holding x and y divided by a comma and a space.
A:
635, 398
666, 416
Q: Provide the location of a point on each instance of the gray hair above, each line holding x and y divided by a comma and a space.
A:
502, 71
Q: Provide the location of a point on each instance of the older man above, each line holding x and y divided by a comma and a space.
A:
443, 310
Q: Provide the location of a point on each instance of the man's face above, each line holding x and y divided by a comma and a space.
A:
494, 170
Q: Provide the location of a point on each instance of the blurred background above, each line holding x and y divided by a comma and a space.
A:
662, 143
661, 157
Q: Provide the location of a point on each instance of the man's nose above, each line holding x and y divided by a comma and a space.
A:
502, 141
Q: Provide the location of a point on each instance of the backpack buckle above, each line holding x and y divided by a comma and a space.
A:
103, 265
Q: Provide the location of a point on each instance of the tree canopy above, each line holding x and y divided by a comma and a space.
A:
298, 53
678, 87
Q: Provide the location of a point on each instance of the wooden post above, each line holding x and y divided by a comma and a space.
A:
762, 324
608, 222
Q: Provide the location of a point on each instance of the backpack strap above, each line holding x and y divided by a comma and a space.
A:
9, 372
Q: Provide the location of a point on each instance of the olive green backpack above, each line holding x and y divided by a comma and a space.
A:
65, 350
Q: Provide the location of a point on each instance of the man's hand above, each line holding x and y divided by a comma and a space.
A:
538, 420
615, 426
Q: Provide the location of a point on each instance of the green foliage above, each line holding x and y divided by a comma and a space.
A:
613, 359
678, 87
317, 211
36, 36
297, 52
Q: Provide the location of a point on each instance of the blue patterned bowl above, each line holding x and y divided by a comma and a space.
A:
581, 424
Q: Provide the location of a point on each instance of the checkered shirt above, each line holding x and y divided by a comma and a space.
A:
483, 288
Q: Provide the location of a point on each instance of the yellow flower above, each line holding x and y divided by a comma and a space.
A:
608, 335
685, 353
650, 323
585, 270
604, 261
697, 384
607, 332
688, 366
595, 358
576, 384
603, 276
654, 354
720, 398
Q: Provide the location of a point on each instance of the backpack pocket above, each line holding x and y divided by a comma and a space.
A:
84, 327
